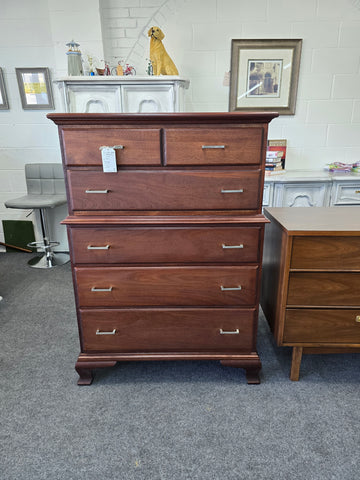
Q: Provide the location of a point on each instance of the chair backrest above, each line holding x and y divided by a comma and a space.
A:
44, 178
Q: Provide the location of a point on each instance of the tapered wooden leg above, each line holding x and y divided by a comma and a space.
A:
295, 363
84, 369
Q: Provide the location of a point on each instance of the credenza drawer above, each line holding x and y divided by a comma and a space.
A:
324, 289
164, 244
328, 252
172, 286
346, 194
322, 326
164, 190
170, 330
220, 146
133, 146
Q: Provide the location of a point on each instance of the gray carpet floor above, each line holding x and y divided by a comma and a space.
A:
160, 420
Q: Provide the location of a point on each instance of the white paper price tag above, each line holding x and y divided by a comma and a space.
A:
108, 157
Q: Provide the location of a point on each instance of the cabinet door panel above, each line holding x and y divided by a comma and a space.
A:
136, 286
168, 330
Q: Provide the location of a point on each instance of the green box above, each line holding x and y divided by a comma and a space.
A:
18, 232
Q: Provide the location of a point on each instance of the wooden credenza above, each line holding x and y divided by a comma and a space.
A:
311, 280
166, 251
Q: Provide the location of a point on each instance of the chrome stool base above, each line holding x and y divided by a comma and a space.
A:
49, 261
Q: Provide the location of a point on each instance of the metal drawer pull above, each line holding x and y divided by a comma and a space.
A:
357, 191
94, 289
97, 191
106, 333
357, 319
241, 190
232, 246
118, 147
212, 146
91, 247
224, 289
233, 332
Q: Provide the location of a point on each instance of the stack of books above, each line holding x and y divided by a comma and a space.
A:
275, 157
273, 162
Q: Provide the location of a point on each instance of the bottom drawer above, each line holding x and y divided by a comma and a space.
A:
322, 325
168, 330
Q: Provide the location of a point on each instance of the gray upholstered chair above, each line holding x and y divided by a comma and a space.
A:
46, 189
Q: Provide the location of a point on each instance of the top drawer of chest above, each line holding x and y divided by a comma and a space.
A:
241, 145
213, 146
135, 146
326, 252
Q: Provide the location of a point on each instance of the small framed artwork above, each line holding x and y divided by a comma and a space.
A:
35, 88
4, 102
264, 75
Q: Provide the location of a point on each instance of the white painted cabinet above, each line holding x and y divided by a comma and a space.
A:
308, 188
128, 94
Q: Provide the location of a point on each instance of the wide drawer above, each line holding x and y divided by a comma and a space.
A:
332, 252
134, 146
164, 190
168, 330
220, 146
164, 244
324, 289
322, 325
172, 286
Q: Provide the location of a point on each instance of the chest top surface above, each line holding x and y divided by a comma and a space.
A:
316, 221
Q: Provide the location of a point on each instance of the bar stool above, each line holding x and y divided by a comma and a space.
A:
46, 189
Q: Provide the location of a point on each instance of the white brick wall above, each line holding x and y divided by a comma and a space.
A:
326, 126
198, 38
34, 34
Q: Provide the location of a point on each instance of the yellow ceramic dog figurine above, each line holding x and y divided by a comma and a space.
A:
161, 62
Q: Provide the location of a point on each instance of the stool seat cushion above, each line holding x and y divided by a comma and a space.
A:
28, 202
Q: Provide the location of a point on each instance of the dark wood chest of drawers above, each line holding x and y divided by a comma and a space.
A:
311, 280
166, 251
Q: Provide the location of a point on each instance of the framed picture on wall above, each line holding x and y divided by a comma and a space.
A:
35, 88
4, 103
264, 75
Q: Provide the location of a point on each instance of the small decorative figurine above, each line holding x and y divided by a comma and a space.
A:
75, 67
160, 59
129, 70
91, 65
149, 69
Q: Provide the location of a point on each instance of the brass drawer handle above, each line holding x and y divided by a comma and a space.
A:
98, 332
97, 191
232, 246
357, 191
241, 190
357, 319
212, 146
118, 147
95, 289
225, 289
91, 247
231, 332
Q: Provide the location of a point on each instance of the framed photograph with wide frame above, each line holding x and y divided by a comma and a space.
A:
35, 88
264, 75
4, 102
